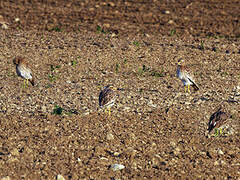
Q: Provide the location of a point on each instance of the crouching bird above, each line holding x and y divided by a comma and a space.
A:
107, 98
217, 119
23, 70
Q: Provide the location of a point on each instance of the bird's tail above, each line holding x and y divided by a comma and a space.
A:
194, 85
196, 88
32, 81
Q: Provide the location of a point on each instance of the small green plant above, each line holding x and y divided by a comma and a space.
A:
224, 74
74, 62
172, 32
136, 43
201, 45
52, 78
142, 70
158, 74
53, 68
117, 67
100, 30
57, 110
140, 90
56, 29
125, 61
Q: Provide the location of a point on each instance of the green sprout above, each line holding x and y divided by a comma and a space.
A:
142, 70
52, 78
57, 110
53, 68
100, 30
158, 74
136, 43
172, 32
56, 29
74, 62
201, 45
117, 67
223, 74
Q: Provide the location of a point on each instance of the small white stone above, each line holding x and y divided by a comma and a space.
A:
4, 26
6, 178
17, 19
103, 158
170, 22
117, 167
216, 163
116, 154
126, 108
220, 152
166, 12
110, 136
60, 177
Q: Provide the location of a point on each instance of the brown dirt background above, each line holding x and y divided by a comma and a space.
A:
156, 130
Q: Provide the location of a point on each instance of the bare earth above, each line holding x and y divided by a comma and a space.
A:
156, 130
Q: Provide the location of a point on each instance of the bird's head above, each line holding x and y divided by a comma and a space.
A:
180, 61
18, 60
111, 87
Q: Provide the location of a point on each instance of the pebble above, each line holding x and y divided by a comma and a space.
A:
4, 26
110, 136
117, 167
17, 19
166, 12
220, 152
44, 108
60, 177
6, 178
126, 108
170, 22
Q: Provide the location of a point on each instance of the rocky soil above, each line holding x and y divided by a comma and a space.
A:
56, 129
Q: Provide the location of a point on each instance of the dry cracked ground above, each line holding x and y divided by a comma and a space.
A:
56, 130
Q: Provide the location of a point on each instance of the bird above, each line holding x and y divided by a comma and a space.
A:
184, 75
217, 119
23, 70
107, 98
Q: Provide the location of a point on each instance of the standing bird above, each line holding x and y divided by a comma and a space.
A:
107, 98
23, 70
184, 75
217, 119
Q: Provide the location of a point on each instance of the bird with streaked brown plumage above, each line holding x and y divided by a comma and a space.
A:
107, 97
23, 70
217, 119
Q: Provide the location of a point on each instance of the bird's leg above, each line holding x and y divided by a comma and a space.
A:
185, 89
220, 131
27, 82
24, 82
189, 88
109, 111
